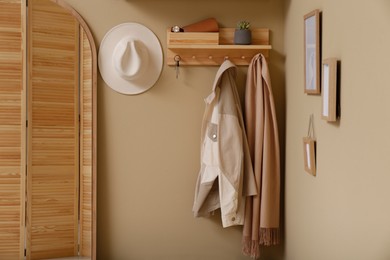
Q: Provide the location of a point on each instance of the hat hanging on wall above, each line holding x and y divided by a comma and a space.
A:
130, 58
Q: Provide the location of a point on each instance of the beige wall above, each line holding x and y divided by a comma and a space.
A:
148, 145
344, 212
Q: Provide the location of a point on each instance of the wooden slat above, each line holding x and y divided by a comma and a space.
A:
12, 130
86, 147
52, 214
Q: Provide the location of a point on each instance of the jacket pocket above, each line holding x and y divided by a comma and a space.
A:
210, 146
212, 131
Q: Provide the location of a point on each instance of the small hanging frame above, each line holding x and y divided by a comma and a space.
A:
309, 149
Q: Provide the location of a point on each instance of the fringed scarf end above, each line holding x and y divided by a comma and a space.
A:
250, 248
269, 236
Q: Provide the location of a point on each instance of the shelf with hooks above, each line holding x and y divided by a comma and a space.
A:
192, 50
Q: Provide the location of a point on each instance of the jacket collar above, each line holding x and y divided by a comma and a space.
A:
226, 65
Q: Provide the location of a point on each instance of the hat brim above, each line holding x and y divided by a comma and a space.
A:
107, 69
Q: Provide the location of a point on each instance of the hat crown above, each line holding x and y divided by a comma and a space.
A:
130, 58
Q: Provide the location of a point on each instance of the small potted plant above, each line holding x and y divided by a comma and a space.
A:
243, 35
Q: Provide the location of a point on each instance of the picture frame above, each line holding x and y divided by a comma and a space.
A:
312, 46
329, 90
309, 151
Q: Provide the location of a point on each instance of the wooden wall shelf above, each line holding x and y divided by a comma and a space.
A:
214, 54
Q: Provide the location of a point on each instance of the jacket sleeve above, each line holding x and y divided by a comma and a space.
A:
230, 179
231, 154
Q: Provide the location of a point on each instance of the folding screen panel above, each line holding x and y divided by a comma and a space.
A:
12, 130
85, 146
53, 132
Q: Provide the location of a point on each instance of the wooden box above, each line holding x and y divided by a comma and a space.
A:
190, 38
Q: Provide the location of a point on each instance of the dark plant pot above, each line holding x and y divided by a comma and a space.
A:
242, 37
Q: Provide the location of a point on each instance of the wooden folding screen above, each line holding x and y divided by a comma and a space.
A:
53, 132
12, 130
47, 172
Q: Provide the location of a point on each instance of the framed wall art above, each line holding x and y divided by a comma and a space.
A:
329, 90
309, 149
312, 46
309, 155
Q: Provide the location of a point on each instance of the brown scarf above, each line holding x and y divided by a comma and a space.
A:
261, 224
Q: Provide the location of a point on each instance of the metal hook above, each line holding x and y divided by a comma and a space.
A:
177, 59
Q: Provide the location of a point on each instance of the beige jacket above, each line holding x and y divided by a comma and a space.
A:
226, 176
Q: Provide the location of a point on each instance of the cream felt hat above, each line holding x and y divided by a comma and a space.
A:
130, 58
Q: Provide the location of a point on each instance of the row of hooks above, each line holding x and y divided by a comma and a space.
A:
177, 60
